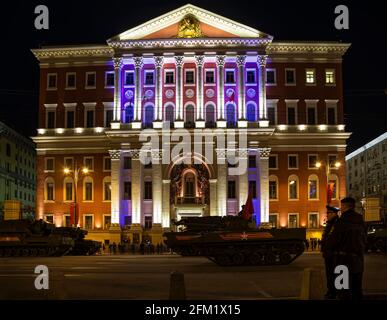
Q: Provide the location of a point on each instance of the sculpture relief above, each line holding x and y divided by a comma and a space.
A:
189, 27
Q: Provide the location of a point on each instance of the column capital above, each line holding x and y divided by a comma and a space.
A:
117, 62
134, 153
243, 152
159, 61
115, 154
261, 59
138, 62
199, 60
220, 60
240, 60
264, 152
179, 60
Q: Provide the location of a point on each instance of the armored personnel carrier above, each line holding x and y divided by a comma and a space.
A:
82, 247
233, 241
32, 238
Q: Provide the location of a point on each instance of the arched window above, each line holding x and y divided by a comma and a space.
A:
293, 186
251, 112
273, 187
313, 187
333, 186
189, 185
169, 113
129, 112
88, 189
210, 114
149, 115
190, 114
49, 189
230, 115
68, 189
107, 189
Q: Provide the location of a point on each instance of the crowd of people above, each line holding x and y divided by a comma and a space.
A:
132, 248
313, 244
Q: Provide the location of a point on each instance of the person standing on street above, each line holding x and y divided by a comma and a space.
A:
332, 216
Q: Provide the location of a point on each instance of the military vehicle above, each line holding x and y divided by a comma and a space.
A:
32, 238
234, 241
82, 247
377, 237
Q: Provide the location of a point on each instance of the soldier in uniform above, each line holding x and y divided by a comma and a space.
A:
347, 241
332, 216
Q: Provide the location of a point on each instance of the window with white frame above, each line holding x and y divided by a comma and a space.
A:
149, 77
50, 118
332, 160
107, 220
49, 218
330, 77
290, 77
273, 187
71, 81
49, 189
66, 220
210, 76
313, 220
109, 79
331, 112
273, 161
273, 220
272, 111
68, 163
251, 76
293, 220
291, 113
90, 80
169, 77
293, 185
52, 79
230, 76
333, 186
107, 189
88, 186
70, 118
310, 76
311, 113
189, 76
129, 78
312, 161
107, 164
271, 77
89, 118
68, 189
292, 161
313, 187
88, 162
88, 221
49, 164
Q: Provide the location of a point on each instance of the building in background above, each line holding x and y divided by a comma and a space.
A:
196, 70
17, 170
367, 174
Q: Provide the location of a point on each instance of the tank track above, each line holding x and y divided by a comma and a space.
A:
28, 251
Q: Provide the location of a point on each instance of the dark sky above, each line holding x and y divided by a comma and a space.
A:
88, 22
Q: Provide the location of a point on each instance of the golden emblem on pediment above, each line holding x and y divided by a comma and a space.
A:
189, 27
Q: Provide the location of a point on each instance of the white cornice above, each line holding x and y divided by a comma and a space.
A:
68, 52
334, 48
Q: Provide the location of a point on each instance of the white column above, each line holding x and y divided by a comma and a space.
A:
264, 182
222, 182
199, 87
138, 63
213, 197
159, 61
179, 87
157, 186
243, 179
117, 63
137, 182
240, 60
115, 156
263, 120
220, 61
166, 218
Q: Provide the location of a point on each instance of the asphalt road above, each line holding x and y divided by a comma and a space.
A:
148, 277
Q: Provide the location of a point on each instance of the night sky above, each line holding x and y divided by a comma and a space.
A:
92, 22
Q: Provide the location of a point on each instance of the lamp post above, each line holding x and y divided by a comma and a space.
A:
337, 165
75, 176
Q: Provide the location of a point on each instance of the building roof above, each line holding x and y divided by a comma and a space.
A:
367, 146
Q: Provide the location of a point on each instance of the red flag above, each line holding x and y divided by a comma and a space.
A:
249, 208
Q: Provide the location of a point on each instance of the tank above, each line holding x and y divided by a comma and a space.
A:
233, 241
377, 237
82, 247
32, 238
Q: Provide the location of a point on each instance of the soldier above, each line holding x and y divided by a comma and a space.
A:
347, 241
332, 216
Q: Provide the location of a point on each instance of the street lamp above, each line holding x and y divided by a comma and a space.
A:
75, 175
319, 164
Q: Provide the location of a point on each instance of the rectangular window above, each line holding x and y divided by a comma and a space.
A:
108, 118
88, 222
290, 76
107, 220
331, 117
311, 114
149, 78
70, 80
90, 80
330, 77
107, 191
332, 159
291, 111
88, 162
313, 220
107, 164
293, 220
292, 161
148, 222
230, 76
127, 163
127, 190
273, 190
250, 76
312, 185
89, 118
70, 119
189, 77
49, 191
69, 163
253, 188
129, 78
333, 188
252, 162
50, 119
310, 76
49, 218
210, 76
88, 191
312, 161
273, 220
67, 220
231, 189
69, 191
270, 76
49, 164
273, 162
51, 81
271, 115
169, 77
109, 79
293, 189
148, 190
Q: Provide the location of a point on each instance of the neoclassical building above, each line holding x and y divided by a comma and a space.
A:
122, 110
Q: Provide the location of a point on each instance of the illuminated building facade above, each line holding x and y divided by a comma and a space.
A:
199, 72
